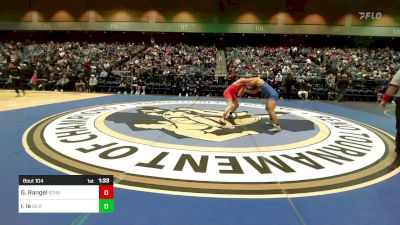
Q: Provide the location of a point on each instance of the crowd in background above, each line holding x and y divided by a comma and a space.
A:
66, 65
177, 66
303, 69
295, 71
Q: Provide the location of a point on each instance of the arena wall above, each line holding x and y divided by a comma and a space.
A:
330, 17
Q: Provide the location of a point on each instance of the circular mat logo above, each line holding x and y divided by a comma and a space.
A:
179, 147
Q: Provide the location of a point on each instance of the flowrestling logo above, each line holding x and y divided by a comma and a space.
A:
178, 147
370, 15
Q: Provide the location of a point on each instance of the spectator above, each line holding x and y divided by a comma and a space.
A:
123, 87
41, 80
342, 86
141, 86
92, 83
230, 78
87, 68
134, 86
50, 83
33, 82
61, 83
278, 80
80, 85
302, 93
289, 83
103, 74
331, 86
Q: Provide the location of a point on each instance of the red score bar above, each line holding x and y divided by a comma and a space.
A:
106, 192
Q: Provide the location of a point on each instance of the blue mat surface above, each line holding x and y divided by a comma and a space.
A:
371, 205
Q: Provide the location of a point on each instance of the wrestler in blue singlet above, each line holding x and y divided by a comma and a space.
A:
269, 91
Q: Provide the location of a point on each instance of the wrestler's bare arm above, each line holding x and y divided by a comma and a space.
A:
253, 91
254, 81
241, 92
242, 81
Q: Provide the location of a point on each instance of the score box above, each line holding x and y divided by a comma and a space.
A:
106, 192
106, 196
66, 194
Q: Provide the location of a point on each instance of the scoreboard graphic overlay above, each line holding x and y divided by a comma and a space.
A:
66, 194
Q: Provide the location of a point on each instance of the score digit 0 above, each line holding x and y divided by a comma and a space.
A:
106, 192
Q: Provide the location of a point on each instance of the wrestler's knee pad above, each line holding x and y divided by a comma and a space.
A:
230, 107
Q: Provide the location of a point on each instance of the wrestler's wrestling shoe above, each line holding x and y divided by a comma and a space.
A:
276, 128
232, 116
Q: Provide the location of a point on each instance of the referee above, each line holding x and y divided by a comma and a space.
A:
16, 78
392, 91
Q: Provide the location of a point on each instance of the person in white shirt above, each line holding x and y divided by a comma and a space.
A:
103, 73
92, 83
393, 91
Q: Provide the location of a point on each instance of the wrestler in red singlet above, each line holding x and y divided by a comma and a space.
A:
231, 91
230, 95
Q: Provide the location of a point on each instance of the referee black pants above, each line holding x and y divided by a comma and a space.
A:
17, 84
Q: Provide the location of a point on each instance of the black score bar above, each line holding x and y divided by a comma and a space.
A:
66, 179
